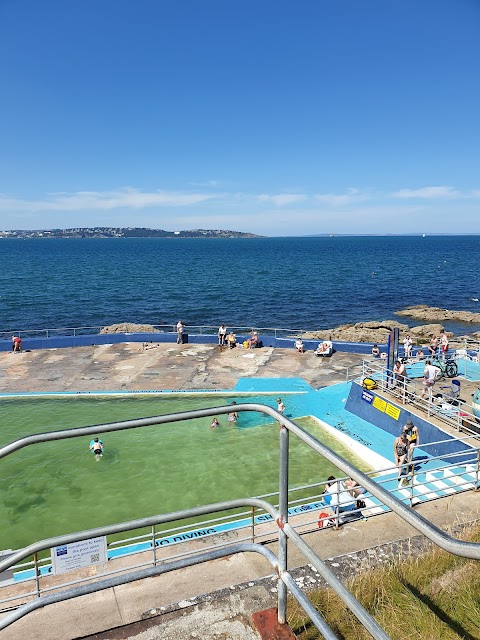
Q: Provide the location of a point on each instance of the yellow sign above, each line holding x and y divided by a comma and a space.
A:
379, 404
393, 412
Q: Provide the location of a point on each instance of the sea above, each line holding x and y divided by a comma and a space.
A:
300, 283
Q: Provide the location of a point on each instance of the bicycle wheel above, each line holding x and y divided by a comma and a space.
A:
451, 369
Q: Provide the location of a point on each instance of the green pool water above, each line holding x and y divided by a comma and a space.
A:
58, 487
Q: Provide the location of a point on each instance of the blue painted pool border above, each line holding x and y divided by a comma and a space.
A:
118, 552
60, 342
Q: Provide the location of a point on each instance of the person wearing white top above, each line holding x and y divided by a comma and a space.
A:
222, 333
407, 345
338, 497
430, 374
299, 345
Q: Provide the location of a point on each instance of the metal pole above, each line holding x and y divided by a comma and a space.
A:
477, 471
253, 524
154, 546
412, 467
37, 575
282, 520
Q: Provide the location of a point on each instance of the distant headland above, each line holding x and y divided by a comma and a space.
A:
124, 232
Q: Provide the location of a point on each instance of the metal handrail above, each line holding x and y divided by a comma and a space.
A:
379, 474
406, 391
202, 329
150, 572
431, 531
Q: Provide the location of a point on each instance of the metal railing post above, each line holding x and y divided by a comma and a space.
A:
412, 468
282, 520
477, 487
37, 574
154, 546
253, 524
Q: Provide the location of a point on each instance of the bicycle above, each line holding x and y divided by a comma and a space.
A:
448, 368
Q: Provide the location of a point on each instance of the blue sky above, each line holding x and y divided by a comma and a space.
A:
276, 117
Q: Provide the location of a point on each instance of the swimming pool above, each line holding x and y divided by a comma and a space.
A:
57, 487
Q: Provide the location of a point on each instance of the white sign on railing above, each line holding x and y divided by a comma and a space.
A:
79, 554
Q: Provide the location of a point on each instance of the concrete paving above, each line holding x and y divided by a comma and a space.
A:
213, 600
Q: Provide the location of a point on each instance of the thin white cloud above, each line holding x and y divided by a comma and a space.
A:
281, 199
104, 200
428, 193
342, 199
207, 183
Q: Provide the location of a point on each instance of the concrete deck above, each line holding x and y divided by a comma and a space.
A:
172, 606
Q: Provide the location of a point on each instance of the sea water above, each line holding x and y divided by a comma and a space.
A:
298, 283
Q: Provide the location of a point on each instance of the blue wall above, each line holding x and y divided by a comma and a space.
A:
58, 342
359, 403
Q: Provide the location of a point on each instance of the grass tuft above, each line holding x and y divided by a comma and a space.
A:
435, 596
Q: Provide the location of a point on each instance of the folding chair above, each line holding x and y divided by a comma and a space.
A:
453, 396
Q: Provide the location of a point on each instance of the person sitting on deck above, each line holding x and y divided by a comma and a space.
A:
354, 488
299, 345
231, 340
325, 349
252, 342
375, 351
339, 499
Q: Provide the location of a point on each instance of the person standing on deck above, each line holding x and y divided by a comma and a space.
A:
430, 374
443, 343
407, 345
413, 437
180, 328
399, 373
433, 346
222, 333
401, 446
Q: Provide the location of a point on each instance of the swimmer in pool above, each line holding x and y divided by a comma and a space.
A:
96, 447
233, 417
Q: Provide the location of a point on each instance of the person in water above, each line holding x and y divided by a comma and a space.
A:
280, 406
233, 417
215, 423
96, 445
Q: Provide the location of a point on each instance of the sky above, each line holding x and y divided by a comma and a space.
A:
266, 116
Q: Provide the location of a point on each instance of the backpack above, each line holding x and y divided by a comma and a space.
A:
369, 384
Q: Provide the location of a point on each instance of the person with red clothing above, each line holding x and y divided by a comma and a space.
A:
17, 343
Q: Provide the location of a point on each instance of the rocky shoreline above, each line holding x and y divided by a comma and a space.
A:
372, 332
435, 314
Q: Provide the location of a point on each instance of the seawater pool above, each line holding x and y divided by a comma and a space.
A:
57, 487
